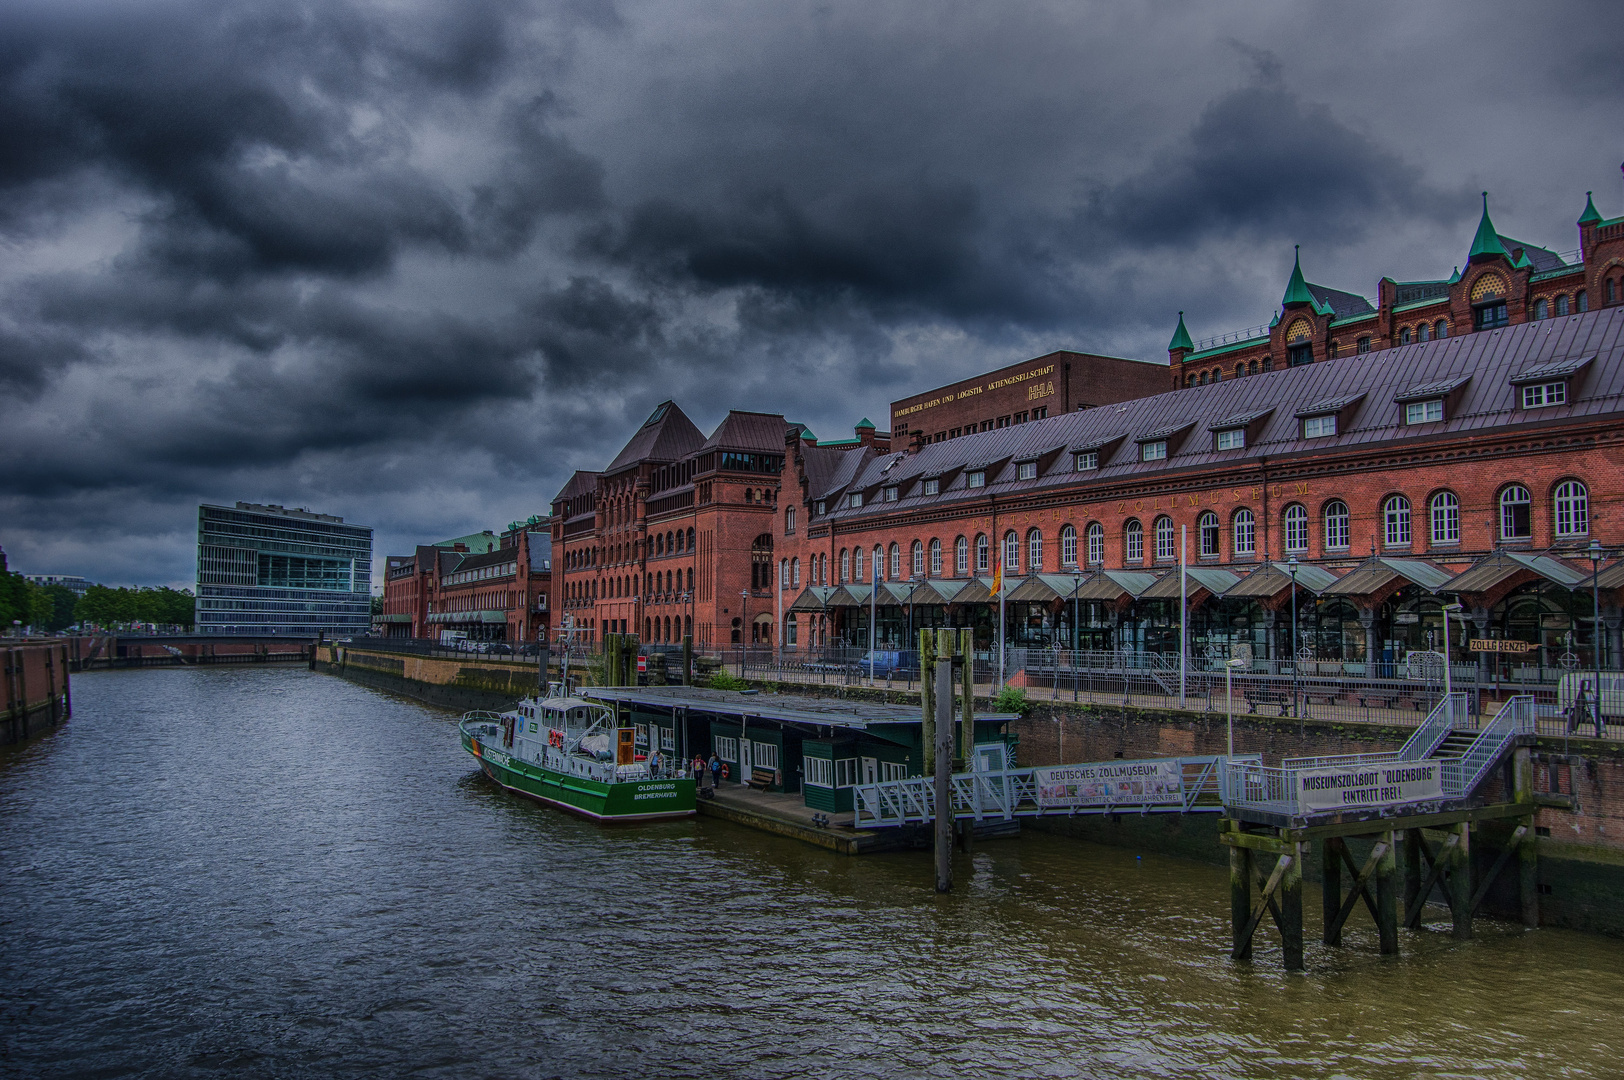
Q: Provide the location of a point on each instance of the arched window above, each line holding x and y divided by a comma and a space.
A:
1133, 542
761, 562
1296, 523
783, 573
1441, 329
1542, 309
1206, 535
1243, 533
789, 524
1445, 518
1068, 546
896, 562
857, 564
1203, 378
917, 559
659, 544
936, 558
845, 566
1581, 300
1012, 553
961, 556
1562, 304
1240, 369
1095, 544
879, 564
983, 554
1516, 513
795, 572
1034, 551
1572, 508
1336, 525
1423, 332
1166, 543
1396, 521
1404, 336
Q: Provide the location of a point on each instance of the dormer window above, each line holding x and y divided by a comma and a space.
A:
933, 486
1317, 427
1026, 470
1153, 451
1424, 412
891, 493
1088, 460
1538, 395
1232, 439
1488, 316
855, 500
1298, 355
822, 508
975, 479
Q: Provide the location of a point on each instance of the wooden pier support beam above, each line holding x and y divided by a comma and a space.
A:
1331, 852
1387, 895
1291, 908
1528, 875
1412, 876
1240, 902
1460, 883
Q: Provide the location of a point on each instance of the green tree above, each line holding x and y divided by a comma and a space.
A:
63, 600
14, 601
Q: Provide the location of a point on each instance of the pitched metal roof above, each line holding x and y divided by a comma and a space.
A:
666, 435
1559, 369
1489, 403
1273, 578
1377, 573
1433, 389
1239, 419
748, 431
1491, 570
1211, 578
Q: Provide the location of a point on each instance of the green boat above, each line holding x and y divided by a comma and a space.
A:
568, 752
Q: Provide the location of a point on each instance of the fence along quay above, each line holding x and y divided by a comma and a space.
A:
1455, 773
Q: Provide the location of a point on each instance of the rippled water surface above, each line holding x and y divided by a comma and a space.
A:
277, 873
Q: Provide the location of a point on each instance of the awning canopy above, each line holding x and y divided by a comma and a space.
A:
455, 618
1210, 578
1491, 570
849, 595
1273, 578
1611, 577
1377, 573
815, 598
394, 618
1112, 585
1045, 588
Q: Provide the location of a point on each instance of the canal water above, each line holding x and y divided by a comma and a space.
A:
279, 873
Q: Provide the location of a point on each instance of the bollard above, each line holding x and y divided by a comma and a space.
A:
944, 764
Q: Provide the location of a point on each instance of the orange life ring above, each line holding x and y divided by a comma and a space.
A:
724, 770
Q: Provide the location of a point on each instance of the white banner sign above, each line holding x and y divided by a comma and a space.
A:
1110, 783
1386, 784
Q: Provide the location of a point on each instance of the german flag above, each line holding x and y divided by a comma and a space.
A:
998, 577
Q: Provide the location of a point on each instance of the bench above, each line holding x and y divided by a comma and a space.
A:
761, 778
1256, 696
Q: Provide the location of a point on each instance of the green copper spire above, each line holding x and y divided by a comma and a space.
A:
1181, 338
1589, 217
1487, 241
1297, 289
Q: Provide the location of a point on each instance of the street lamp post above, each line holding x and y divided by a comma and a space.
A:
1458, 607
1229, 697
1596, 555
1295, 708
1076, 620
744, 626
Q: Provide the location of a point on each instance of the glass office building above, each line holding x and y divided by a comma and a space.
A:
265, 569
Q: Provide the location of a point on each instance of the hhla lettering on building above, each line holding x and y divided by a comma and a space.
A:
1032, 394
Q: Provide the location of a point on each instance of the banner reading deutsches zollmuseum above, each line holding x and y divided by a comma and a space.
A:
1387, 784
1110, 783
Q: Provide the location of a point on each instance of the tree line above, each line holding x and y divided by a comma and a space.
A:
57, 607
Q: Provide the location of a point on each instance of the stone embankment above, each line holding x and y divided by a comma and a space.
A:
35, 697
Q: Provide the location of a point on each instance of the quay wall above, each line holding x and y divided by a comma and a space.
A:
475, 683
34, 692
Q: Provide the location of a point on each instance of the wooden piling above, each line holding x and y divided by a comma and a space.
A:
1386, 895
1240, 901
1528, 875
1460, 883
1331, 894
1412, 874
1291, 909
927, 699
687, 659
943, 774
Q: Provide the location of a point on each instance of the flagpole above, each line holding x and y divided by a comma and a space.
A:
998, 583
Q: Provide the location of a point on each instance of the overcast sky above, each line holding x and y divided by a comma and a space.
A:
413, 263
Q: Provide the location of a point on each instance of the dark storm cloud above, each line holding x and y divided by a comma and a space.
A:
415, 262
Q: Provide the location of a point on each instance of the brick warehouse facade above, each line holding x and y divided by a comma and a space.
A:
676, 536
495, 591
1058, 382
1479, 466
1505, 282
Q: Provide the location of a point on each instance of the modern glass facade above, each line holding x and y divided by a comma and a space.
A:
265, 569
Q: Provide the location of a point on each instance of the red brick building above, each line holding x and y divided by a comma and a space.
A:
1056, 383
495, 591
676, 535
1504, 282
1478, 467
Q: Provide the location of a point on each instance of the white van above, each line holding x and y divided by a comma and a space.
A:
1612, 691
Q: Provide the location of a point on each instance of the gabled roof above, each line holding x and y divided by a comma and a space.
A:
749, 431
1533, 256
1556, 369
666, 435
1377, 573
1344, 305
579, 484
1433, 388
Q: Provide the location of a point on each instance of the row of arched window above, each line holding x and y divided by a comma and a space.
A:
673, 543
1560, 305
1424, 332
667, 628
1440, 524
